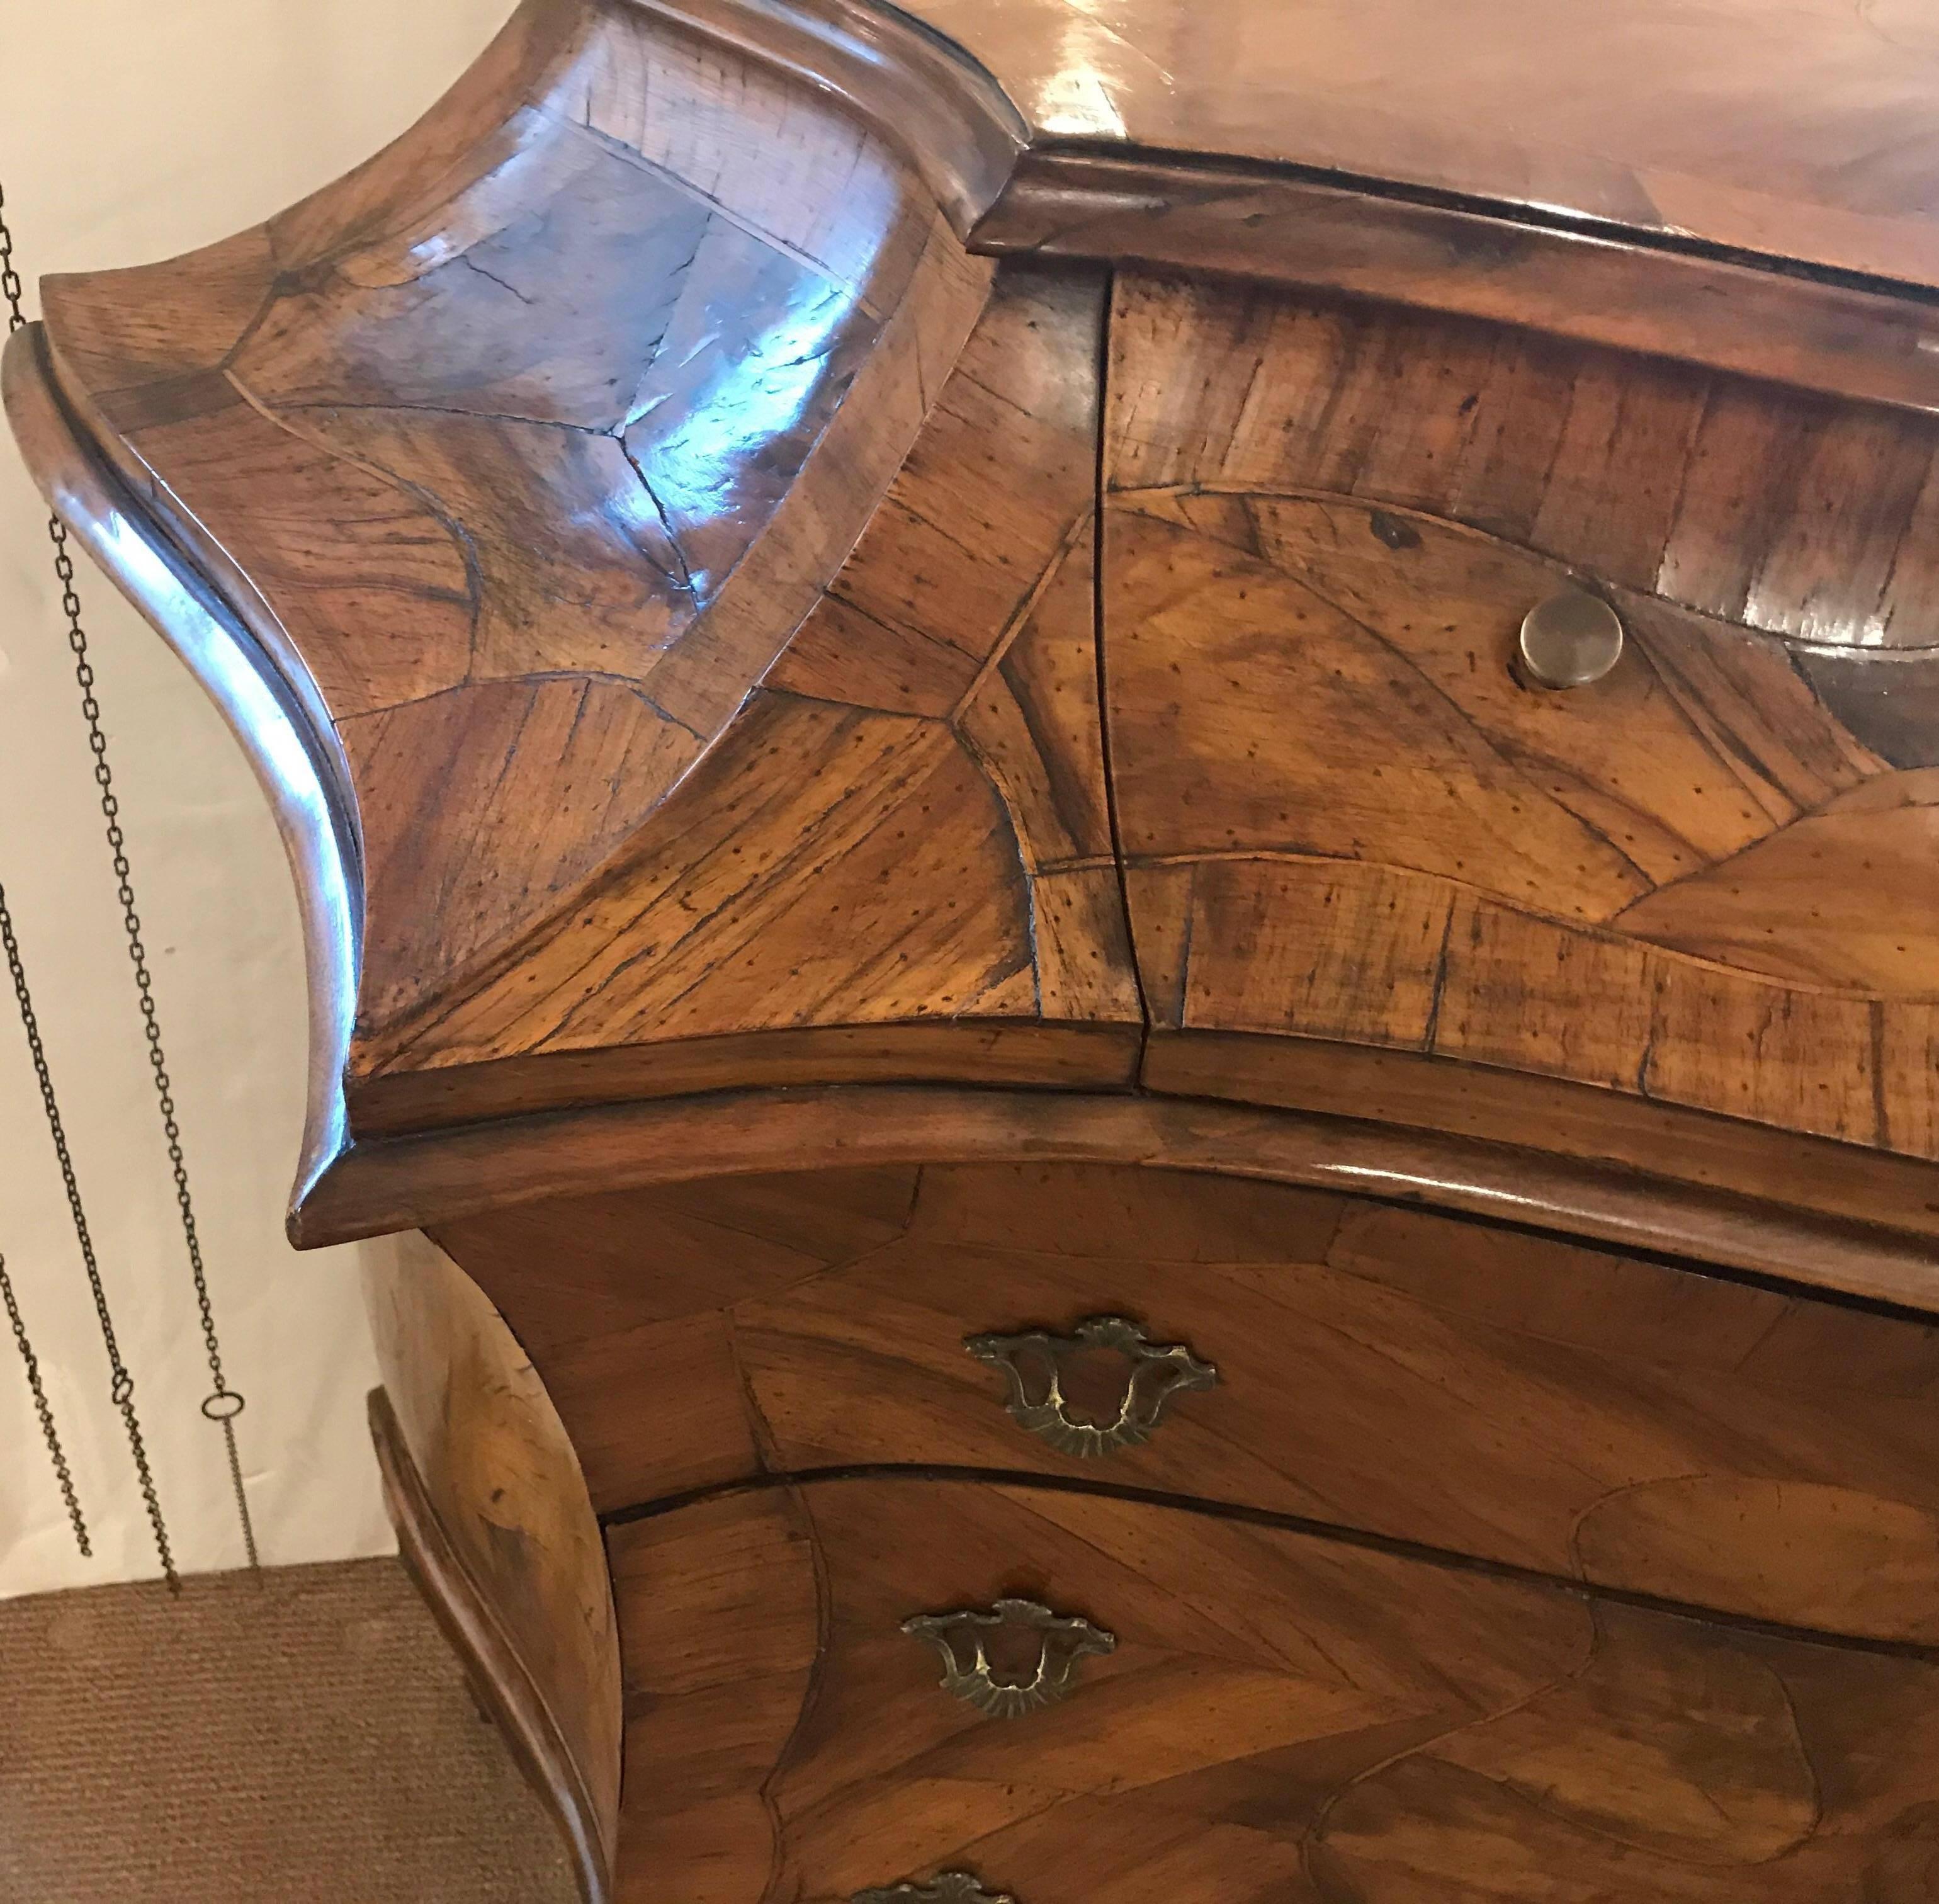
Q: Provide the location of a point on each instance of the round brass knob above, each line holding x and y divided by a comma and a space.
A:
1570, 640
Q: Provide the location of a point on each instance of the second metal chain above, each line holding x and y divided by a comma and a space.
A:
121, 1387
50, 1433
223, 1404
10, 289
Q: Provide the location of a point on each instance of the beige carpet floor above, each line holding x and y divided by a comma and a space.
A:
308, 1741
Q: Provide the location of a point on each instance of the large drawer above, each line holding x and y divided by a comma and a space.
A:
1484, 1390
1277, 1718
1685, 915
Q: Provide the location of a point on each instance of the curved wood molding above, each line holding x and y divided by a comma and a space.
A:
1664, 123
1718, 231
465, 1616
953, 122
1331, 234
490, 1503
269, 707
1828, 1214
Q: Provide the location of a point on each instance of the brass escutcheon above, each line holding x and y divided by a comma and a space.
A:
947, 1887
1033, 1361
1062, 1641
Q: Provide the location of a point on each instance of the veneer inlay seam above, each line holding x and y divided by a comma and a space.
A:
1337, 1533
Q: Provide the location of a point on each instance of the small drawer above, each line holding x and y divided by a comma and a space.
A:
1275, 1716
1474, 1389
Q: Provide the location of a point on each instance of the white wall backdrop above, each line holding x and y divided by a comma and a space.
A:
128, 132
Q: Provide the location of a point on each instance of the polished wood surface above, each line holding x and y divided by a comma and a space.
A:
904, 693
286, 738
1281, 1718
1497, 1393
1706, 881
1332, 237
1776, 509
1820, 1213
895, 860
606, 570
744, 729
1810, 137
489, 1502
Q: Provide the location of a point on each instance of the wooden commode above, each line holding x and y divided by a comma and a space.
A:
1119, 829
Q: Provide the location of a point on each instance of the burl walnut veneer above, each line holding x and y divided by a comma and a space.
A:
1119, 825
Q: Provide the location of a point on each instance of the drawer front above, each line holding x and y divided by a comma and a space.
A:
1362, 841
1274, 1717
1437, 1380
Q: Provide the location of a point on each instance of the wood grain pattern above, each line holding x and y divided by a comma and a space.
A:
1282, 1718
491, 1508
1636, 1175
287, 742
1464, 258
503, 1685
903, 826
1778, 509
1356, 825
746, 731
678, 556
1660, 122
950, 119
572, 571
624, 1300
1588, 1415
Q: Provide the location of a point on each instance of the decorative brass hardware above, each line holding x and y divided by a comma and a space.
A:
946, 1888
1061, 1642
1158, 1371
1570, 641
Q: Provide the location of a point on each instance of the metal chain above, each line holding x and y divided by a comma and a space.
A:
121, 1388
11, 289
10, 286
49, 1433
223, 1404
